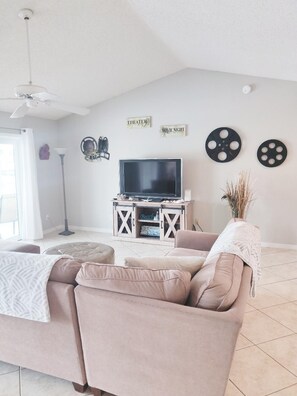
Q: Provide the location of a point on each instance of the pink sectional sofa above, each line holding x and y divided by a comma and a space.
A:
135, 330
134, 345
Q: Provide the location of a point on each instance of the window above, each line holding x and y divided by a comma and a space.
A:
9, 190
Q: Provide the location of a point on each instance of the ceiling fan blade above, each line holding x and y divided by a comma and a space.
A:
20, 111
43, 96
11, 99
69, 108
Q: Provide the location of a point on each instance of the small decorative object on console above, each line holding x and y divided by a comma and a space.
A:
151, 231
121, 197
93, 151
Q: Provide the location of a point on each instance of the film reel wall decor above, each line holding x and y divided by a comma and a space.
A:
223, 144
272, 153
94, 151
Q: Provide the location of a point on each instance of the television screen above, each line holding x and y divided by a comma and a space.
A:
151, 178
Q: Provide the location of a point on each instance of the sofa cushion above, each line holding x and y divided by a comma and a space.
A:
217, 284
65, 270
187, 252
166, 285
191, 264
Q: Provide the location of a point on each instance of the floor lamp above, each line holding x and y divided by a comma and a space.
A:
61, 152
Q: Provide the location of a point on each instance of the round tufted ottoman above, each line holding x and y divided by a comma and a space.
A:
86, 251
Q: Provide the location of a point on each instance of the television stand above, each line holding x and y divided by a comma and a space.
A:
152, 199
150, 222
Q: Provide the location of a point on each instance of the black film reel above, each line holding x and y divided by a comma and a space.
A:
272, 153
223, 144
88, 145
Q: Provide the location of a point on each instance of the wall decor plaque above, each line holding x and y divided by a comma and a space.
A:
44, 152
139, 122
223, 144
173, 130
272, 153
94, 151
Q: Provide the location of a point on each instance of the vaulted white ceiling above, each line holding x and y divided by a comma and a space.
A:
87, 51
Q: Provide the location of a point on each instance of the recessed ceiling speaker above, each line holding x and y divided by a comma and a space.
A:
223, 144
272, 153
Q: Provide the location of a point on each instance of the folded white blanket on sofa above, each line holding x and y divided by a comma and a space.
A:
243, 239
23, 282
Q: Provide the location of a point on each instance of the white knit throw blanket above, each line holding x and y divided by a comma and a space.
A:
23, 282
242, 239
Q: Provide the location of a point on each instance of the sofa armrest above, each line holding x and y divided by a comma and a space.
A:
195, 240
65, 270
18, 246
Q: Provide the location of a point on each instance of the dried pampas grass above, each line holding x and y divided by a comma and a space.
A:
239, 195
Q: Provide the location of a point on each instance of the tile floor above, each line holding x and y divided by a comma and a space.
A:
265, 361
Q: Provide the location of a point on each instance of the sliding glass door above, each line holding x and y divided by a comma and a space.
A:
9, 208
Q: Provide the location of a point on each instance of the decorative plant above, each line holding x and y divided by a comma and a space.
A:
239, 195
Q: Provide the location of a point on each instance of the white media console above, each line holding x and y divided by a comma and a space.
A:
144, 221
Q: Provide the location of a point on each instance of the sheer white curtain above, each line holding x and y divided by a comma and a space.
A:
31, 227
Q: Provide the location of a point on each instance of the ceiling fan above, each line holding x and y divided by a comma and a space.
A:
31, 95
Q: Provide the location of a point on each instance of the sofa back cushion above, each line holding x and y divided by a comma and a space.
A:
217, 284
166, 285
190, 263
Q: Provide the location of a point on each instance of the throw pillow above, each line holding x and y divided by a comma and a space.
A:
166, 285
217, 284
191, 264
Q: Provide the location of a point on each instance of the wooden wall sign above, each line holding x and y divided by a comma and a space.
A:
173, 130
139, 122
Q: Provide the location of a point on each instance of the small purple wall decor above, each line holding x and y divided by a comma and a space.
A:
44, 152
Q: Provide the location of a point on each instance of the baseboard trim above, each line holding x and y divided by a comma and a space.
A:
91, 229
52, 229
60, 228
279, 245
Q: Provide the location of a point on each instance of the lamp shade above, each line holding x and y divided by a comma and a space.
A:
61, 150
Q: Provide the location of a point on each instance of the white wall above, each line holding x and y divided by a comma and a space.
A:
204, 101
48, 171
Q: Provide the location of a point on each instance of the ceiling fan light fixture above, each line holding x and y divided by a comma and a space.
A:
34, 95
24, 90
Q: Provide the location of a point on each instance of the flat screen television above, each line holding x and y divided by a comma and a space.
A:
154, 179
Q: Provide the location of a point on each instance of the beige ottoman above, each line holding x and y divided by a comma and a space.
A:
85, 251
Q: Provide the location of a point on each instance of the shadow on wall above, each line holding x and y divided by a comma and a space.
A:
211, 216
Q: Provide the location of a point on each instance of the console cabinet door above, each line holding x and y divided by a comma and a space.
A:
124, 221
172, 220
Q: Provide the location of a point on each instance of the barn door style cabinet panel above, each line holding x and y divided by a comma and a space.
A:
124, 221
144, 221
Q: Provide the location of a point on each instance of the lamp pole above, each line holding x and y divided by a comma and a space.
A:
61, 152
